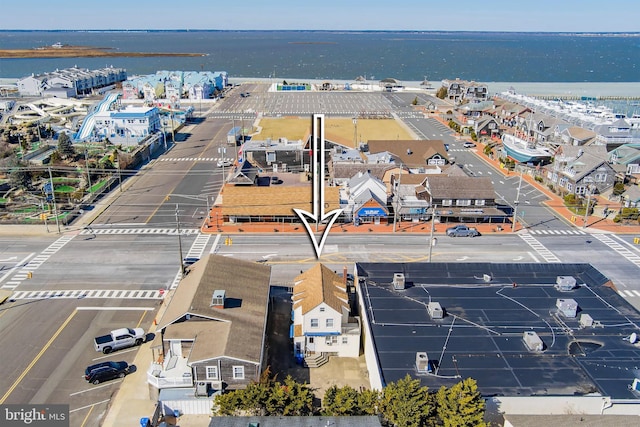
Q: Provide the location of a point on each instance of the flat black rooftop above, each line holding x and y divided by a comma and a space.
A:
481, 333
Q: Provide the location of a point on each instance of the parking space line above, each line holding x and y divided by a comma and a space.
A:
88, 406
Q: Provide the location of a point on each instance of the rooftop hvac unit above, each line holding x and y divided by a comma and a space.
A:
586, 321
486, 278
398, 281
565, 283
568, 307
422, 363
202, 389
435, 310
533, 341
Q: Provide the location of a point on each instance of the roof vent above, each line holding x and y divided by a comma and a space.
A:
409, 151
217, 300
398, 281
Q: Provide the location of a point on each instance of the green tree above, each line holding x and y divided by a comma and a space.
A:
343, 401
20, 177
618, 188
415, 101
65, 146
406, 403
228, 404
461, 405
442, 92
340, 401
290, 399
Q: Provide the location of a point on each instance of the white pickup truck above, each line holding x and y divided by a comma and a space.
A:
119, 338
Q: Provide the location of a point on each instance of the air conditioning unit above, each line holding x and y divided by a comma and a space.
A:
202, 388
398, 281
422, 363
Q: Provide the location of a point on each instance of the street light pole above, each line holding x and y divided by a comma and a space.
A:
182, 269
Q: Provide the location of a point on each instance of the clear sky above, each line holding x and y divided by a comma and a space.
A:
458, 15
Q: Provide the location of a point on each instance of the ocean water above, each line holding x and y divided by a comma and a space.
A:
407, 56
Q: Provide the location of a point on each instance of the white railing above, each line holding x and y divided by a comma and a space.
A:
156, 377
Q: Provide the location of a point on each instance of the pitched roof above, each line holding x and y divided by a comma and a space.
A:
273, 200
460, 187
409, 152
247, 288
319, 285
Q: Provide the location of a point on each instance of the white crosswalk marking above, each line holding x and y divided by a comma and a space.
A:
539, 248
195, 159
82, 294
558, 232
183, 231
36, 262
195, 251
622, 250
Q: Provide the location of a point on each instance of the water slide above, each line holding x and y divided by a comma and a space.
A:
89, 122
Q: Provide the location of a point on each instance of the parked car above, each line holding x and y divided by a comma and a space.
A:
119, 338
105, 371
462, 231
469, 144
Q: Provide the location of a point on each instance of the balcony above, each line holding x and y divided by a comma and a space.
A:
173, 373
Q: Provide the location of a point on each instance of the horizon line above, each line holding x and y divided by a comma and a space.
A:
315, 31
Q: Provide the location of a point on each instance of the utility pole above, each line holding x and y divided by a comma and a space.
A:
182, 269
53, 197
395, 211
586, 211
86, 161
516, 203
433, 226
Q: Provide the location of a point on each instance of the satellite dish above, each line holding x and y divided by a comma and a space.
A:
633, 338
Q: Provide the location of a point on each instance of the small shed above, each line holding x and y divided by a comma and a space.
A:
568, 307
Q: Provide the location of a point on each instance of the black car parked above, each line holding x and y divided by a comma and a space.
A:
105, 371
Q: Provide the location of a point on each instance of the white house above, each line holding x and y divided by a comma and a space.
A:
128, 126
322, 322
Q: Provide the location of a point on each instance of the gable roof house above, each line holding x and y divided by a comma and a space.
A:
627, 155
211, 336
364, 199
461, 198
581, 170
575, 135
323, 322
416, 155
486, 127
613, 135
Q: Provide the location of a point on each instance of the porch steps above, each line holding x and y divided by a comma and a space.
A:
316, 360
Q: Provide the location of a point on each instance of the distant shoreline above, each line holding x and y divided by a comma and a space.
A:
66, 51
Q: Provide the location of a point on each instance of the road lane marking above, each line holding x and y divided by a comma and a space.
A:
88, 406
22, 262
38, 356
106, 384
87, 308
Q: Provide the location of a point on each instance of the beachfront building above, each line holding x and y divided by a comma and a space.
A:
323, 322
613, 135
176, 85
128, 126
80, 80
463, 90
